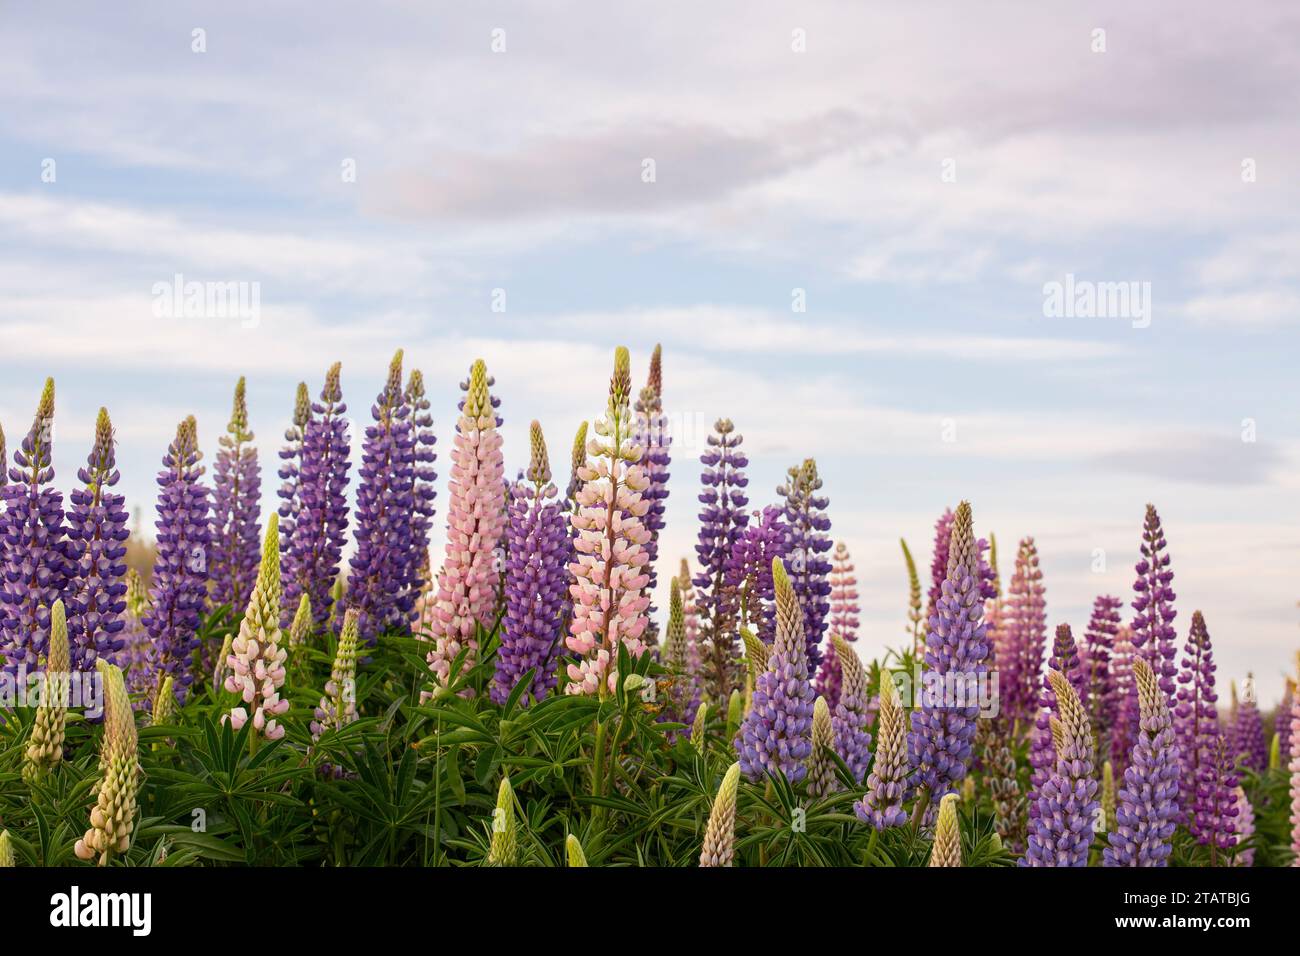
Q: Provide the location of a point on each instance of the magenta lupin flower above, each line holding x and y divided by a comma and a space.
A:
1196, 713
844, 623
96, 551
939, 746
236, 505
1147, 811
1214, 801
1024, 637
1294, 767
1153, 627
1099, 645
653, 436
35, 561
468, 580
939, 560
536, 580
775, 736
609, 601
1123, 688
1248, 743
1283, 724
179, 584
315, 554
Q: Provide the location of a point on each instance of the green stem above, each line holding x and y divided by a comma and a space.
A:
922, 804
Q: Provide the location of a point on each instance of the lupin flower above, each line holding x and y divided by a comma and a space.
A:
722, 522
882, 806
1283, 724
315, 553
844, 622
735, 713
1248, 732
691, 621
290, 471
256, 657
236, 505
536, 579
338, 707
806, 545
1008, 802
1061, 831
1153, 628
383, 569
1148, 799
573, 850
684, 703
1099, 645
35, 554
180, 572
774, 736
504, 848
96, 549
45, 746
1024, 638
939, 746
425, 474
698, 727
1123, 734
653, 436
749, 571
1042, 755
6, 843
133, 657
1294, 767
609, 570
1196, 714
1108, 795
468, 581
915, 620
164, 708
821, 768
756, 654
577, 460
938, 563
1214, 804
852, 714
1245, 830
113, 816
300, 629
946, 850
720, 834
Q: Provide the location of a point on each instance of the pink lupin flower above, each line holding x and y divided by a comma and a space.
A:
467, 584
609, 600
257, 659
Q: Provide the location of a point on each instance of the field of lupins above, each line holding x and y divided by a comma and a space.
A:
517, 701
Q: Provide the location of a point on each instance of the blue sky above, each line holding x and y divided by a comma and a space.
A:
821, 170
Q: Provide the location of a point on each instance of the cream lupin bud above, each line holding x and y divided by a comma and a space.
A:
6, 850
504, 849
735, 713
1107, 796
821, 768
257, 658
45, 749
164, 707
338, 707
947, 834
573, 849
756, 654
300, 629
113, 816
720, 834
698, 733
675, 641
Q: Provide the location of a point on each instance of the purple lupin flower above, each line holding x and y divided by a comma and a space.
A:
1099, 645
1282, 723
1153, 628
383, 569
852, 714
1214, 805
1147, 809
236, 508
939, 561
1248, 743
424, 490
180, 572
1042, 752
290, 470
776, 734
807, 544
652, 435
748, 573
35, 562
1060, 833
722, 522
1196, 714
1023, 631
97, 533
312, 561
536, 581
939, 746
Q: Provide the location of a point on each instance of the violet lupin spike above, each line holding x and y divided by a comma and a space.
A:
1099, 645
536, 579
1061, 831
723, 519
96, 551
1146, 815
1196, 714
1214, 804
425, 474
382, 570
35, 555
468, 580
1282, 724
609, 602
653, 436
1042, 755
1153, 628
315, 553
236, 506
749, 571
940, 744
1248, 742
291, 465
807, 542
1294, 767
775, 735
852, 712
882, 806
179, 584
844, 622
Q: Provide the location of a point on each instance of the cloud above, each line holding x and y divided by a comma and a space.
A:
1200, 459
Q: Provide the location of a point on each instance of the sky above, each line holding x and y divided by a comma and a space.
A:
843, 221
